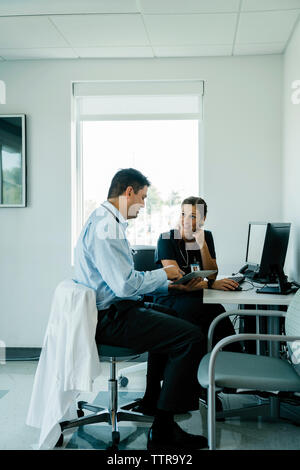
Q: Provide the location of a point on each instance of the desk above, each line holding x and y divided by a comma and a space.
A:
251, 297
244, 297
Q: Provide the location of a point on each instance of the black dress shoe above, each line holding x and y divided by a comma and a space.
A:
149, 409
144, 408
203, 399
174, 438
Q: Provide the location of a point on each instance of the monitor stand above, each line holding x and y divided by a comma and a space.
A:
284, 287
276, 290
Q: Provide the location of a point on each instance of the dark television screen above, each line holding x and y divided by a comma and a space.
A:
12, 161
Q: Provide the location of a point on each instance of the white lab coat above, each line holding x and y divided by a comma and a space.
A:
69, 361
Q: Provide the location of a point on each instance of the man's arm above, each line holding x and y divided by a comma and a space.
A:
113, 261
194, 284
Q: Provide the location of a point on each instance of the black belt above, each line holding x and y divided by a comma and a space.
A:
122, 306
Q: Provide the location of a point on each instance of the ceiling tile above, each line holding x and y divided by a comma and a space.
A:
194, 29
36, 53
257, 49
188, 6
192, 51
38, 7
30, 31
258, 5
264, 27
102, 30
114, 52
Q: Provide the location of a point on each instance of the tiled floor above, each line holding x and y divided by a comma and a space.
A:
16, 379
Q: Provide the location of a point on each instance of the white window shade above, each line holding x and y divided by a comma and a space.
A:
139, 100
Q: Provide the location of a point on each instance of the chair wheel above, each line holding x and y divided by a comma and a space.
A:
123, 381
60, 441
80, 413
115, 438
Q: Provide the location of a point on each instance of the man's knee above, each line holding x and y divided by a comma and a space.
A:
195, 333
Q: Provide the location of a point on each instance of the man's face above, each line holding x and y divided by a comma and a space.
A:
135, 201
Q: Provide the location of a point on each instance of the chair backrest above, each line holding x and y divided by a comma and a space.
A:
143, 258
292, 328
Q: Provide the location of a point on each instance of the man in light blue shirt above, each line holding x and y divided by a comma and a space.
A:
104, 262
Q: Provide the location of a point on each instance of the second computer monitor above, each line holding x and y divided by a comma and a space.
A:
266, 249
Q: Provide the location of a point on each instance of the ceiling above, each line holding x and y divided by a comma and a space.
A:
70, 29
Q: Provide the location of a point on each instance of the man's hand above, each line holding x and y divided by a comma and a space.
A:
225, 284
193, 285
199, 237
173, 272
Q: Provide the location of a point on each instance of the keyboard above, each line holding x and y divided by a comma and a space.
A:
238, 278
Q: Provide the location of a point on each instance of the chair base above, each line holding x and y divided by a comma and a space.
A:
104, 415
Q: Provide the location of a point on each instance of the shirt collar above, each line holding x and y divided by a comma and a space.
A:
117, 213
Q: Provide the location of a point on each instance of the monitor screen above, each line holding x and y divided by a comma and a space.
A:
256, 240
275, 248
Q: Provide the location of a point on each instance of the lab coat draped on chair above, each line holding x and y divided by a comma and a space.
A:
69, 361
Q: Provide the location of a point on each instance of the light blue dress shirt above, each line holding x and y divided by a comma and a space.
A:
104, 261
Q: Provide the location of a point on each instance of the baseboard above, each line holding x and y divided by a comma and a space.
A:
22, 354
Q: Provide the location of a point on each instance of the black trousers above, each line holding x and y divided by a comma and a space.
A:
164, 335
190, 307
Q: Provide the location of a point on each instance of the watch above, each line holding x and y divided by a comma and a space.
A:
210, 283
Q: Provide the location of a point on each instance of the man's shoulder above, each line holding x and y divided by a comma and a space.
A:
104, 225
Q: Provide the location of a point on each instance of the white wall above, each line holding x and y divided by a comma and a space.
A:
242, 168
291, 153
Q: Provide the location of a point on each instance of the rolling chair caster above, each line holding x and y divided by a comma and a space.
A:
123, 381
115, 435
60, 441
80, 414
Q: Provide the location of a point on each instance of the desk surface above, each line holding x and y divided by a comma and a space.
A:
212, 296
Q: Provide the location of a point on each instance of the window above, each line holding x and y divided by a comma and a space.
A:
157, 134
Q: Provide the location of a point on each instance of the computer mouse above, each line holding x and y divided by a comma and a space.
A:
238, 288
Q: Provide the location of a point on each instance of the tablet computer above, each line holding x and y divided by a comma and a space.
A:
194, 275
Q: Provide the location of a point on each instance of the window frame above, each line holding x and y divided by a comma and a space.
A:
77, 155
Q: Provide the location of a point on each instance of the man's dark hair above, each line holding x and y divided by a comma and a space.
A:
124, 178
193, 200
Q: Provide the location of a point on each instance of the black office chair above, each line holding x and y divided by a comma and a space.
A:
113, 414
143, 258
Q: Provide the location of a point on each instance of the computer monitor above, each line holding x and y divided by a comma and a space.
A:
274, 252
266, 250
255, 244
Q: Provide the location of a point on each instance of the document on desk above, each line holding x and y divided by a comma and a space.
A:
194, 275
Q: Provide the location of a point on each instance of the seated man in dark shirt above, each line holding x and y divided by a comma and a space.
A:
190, 248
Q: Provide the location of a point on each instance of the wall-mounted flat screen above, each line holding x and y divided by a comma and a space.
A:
12, 161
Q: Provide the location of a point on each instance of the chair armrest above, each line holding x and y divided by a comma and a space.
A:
246, 312
242, 337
